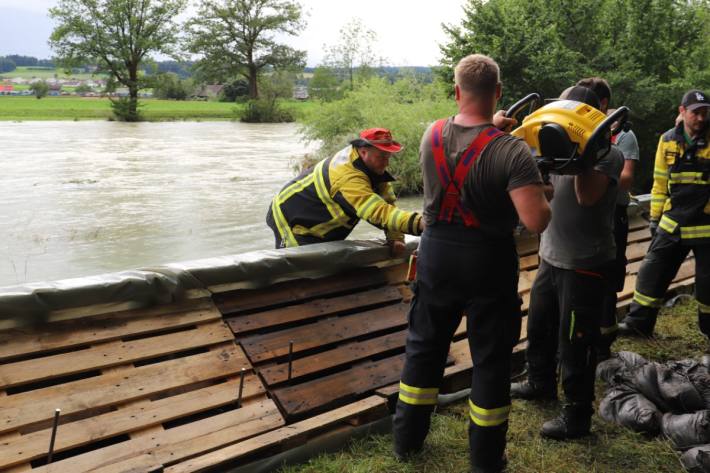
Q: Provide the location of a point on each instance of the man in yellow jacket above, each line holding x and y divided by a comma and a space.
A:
680, 218
325, 202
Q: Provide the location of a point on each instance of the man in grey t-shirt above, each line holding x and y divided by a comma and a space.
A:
566, 300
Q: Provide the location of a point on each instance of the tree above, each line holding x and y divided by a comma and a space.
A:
83, 89
354, 50
236, 38
650, 51
40, 88
234, 90
266, 109
169, 86
324, 84
7, 65
118, 35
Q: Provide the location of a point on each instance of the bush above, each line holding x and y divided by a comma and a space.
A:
122, 110
40, 88
406, 107
264, 110
169, 86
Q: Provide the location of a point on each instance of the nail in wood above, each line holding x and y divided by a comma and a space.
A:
55, 424
290, 359
241, 387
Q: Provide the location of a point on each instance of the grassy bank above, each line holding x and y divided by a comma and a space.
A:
85, 108
609, 449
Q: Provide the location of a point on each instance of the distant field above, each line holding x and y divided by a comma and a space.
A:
30, 72
80, 108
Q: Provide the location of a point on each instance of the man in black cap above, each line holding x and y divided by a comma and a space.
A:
680, 218
577, 253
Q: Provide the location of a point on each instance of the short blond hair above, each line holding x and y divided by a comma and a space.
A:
477, 74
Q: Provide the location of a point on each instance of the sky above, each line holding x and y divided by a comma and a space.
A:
408, 32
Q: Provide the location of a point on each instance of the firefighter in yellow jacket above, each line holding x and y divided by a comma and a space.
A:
325, 203
680, 218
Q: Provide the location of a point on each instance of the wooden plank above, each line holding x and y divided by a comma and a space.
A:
639, 235
298, 290
529, 262
78, 396
396, 273
261, 348
323, 392
527, 244
14, 343
636, 251
298, 433
637, 223
128, 419
339, 356
111, 354
173, 445
526, 280
312, 309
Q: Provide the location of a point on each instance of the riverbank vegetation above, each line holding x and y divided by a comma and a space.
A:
610, 448
80, 108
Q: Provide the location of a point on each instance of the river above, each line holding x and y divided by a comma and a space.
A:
84, 198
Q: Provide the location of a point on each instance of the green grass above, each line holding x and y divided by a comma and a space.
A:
80, 108
41, 73
610, 449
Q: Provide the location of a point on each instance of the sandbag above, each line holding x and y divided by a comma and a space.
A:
677, 391
699, 376
697, 459
623, 405
622, 362
687, 430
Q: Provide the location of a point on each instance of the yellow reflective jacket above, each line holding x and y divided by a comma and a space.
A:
327, 201
680, 198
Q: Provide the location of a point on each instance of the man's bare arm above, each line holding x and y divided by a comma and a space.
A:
532, 206
627, 175
590, 186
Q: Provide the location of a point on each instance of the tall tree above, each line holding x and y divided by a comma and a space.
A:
118, 35
237, 38
650, 51
355, 49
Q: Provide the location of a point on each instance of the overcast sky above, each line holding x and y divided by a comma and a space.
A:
409, 32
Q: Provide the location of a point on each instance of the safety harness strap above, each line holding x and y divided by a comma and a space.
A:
452, 186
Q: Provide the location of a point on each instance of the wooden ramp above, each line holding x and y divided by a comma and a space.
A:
156, 389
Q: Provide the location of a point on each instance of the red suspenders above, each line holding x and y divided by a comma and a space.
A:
452, 187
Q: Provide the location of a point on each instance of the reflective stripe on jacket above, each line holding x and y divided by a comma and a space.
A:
680, 198
329, 200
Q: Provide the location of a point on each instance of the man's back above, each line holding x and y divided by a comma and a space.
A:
505, 164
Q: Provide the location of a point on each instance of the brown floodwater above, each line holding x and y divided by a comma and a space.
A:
84, 198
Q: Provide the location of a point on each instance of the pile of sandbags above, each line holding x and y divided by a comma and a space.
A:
671, 398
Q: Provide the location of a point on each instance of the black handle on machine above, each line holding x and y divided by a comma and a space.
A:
533, 100
621, 115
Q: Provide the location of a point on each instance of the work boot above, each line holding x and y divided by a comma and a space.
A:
531, 391
629, 329
501, 468
574, 421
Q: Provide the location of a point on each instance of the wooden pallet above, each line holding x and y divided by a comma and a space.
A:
138, 390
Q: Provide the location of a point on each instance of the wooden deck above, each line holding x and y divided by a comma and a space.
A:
157, 389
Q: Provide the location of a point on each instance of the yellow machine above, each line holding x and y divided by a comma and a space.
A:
565, 136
